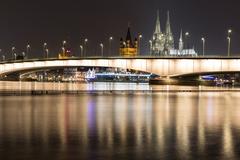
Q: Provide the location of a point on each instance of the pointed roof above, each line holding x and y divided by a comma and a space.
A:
168, 25
129, 37
181, 36
180, 44
158, 25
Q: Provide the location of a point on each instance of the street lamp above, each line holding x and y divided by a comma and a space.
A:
85, 46
47, 52
23, 54
229, 41
44, 48
15, 56
110, 45
13, 51
150, 47
139, 43
63, 50
187, 35
81, 50
3, 57
64, 43
101, 45
28, 49
203, 45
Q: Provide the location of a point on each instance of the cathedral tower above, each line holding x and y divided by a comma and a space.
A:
158, 38
169, 40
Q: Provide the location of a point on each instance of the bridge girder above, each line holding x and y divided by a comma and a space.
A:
160, 66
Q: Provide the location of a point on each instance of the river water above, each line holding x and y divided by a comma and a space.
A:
157, 125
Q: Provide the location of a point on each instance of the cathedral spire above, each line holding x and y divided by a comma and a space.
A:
169, 44
168, 25
181, 37
158, 25
180, 45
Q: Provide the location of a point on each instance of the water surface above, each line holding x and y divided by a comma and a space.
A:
164, 125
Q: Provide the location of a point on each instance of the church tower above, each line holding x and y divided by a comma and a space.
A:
169, 40
158, 38
128, 47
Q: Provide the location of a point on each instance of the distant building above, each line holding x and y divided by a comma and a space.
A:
128, 47
163, 42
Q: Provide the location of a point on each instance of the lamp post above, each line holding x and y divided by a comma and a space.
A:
64, 43
229, 41
3, 57
203, 46
15, 56
13, 51
85, 46
44, 48
150, 47
47, 52
110, 45
101, 45
187, 43
81, 50
139, 44
28, 50
23, 54
63, 50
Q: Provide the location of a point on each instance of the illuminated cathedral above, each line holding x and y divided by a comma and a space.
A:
162, 43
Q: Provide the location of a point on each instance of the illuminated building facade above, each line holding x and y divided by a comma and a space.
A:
163, 42
128, 47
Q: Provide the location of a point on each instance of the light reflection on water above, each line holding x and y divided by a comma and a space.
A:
139, 126
99, 86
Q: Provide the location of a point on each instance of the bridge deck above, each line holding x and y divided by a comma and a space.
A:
163, 66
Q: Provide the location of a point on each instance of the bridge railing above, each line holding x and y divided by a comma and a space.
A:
121, 57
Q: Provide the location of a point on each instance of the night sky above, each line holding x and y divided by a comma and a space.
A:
51, 21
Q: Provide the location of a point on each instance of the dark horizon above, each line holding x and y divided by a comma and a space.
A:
52, 22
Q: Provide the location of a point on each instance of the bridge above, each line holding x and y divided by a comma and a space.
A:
162, 66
